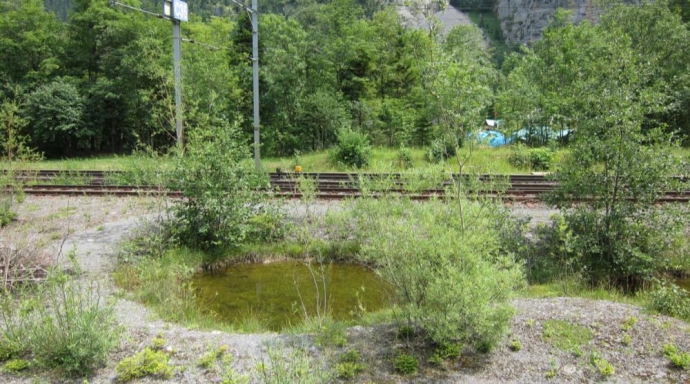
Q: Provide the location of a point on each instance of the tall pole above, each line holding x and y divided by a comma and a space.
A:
255, 70
177, 62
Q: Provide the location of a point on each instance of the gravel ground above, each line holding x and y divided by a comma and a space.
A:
96, 225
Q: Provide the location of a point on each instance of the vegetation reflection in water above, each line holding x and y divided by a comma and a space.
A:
275, 293
684, 283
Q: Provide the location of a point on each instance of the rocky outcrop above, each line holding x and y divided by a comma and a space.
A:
523, 21
448, 18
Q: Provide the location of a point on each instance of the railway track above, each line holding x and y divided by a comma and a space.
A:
323, 185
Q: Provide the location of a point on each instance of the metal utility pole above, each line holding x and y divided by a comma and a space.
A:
175, 11
255, 75
177, 63
254, 10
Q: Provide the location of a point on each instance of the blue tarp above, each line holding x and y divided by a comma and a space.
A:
492, 138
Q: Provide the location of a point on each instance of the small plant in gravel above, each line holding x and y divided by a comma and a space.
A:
16, 365
626, 340
406, 364
349, 365
578, 352
435, 360
676, 357
145, 363
348, 370
564, 335
207, 359
293, 365
605, 368
680, 360
629, 323
515, 345
331, 335
158, 343
553, 371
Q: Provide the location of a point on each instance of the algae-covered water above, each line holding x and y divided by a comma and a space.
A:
684, 283
275, 293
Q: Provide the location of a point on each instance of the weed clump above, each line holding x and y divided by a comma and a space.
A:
677, 358
406, 364
61, 323
515, 345
16, 365
349, 365
145, 363
566, 336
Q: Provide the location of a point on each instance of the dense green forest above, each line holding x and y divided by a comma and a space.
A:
100, 82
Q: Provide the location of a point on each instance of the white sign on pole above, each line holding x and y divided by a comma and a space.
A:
179, 10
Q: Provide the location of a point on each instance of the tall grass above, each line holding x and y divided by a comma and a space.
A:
61, 324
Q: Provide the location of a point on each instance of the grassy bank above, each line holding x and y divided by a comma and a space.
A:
483, 160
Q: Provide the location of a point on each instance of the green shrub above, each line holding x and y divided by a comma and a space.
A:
145, 363
520, 158
621, 239
406, 364
442, 149
348, 365
219, 190
449, 280
670, 299
449, 351
540, 159
16, 365
404, 158
61, 324
348, 370
537, 159
353, 149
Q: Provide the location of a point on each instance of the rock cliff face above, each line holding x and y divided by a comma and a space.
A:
523, 21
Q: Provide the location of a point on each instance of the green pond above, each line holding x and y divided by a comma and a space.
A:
684, 283
278, 293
